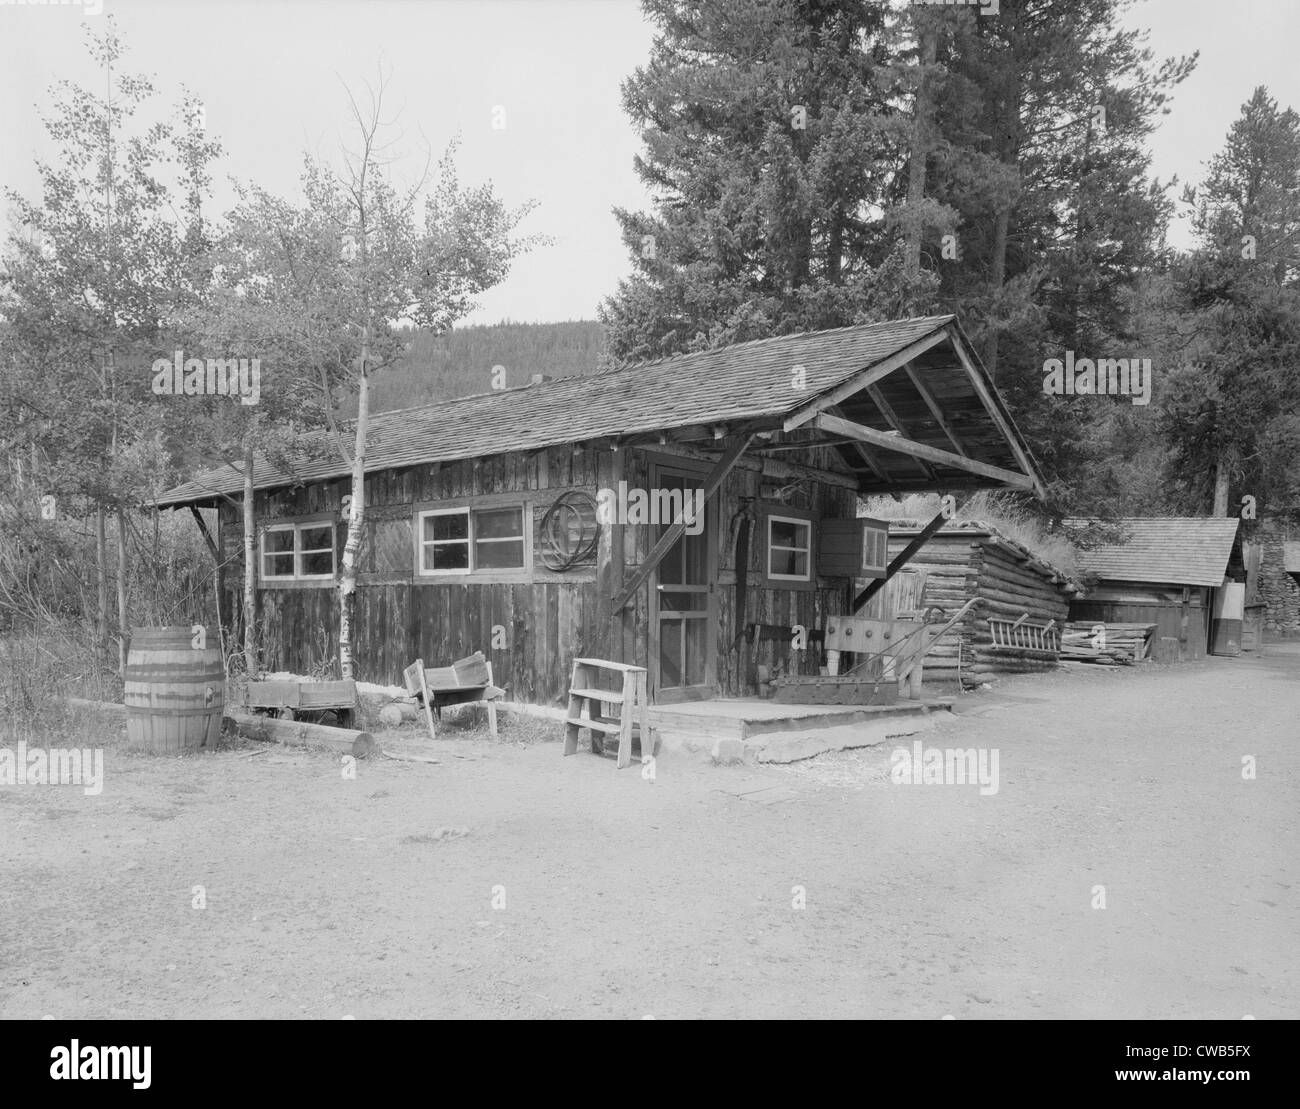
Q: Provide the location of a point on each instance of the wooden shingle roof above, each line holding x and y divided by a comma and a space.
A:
752, 383
1178, 550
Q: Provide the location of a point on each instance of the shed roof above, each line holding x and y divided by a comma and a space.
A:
753, 385
1177, 550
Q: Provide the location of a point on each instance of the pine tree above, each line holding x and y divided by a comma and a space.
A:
769, 137
1234, 417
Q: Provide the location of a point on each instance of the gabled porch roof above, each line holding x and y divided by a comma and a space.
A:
906, 404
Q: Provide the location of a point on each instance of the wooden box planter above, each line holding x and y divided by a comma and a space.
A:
305, 700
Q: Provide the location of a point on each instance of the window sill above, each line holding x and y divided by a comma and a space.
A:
478, 577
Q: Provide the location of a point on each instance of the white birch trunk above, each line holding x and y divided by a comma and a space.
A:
356, 517
250, 565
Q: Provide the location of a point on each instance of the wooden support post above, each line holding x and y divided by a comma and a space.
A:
902, 559
643, 700
625, 720
610, 569
491, 704
207, 535
1183, 623
216, 562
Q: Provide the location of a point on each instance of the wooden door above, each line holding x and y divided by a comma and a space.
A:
683, 617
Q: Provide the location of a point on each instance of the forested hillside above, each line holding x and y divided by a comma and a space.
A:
461, 361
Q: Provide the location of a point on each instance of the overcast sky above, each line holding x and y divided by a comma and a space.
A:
272, 75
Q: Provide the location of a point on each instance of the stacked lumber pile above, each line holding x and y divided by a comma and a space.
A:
1122, 644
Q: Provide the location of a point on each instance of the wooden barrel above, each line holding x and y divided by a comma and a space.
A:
174, 691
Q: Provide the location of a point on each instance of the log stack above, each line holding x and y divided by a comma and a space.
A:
968, 559
1120, 645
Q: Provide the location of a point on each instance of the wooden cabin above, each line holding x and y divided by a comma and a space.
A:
540, 524
1023, 601
1161, 570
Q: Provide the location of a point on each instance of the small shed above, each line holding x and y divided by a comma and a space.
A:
1162, 571
1024, 601
688, 516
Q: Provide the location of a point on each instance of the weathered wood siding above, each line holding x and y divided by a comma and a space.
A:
532, 628
1008, 589
792, 607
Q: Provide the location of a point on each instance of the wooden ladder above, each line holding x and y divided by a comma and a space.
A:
586, 697
1023, 636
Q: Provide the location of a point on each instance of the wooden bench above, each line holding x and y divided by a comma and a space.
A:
466, 680
292, 700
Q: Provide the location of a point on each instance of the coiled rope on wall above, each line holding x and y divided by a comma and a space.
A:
570, 531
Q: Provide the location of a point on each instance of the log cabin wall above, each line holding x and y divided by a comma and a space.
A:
1010, 586
969, 563
532, 623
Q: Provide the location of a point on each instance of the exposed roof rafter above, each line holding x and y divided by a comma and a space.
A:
893, 442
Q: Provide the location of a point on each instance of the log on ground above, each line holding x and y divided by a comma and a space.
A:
298, 733
96, 706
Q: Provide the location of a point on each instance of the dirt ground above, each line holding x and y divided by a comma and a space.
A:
618, 897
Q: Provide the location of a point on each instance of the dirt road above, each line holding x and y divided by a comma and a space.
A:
619, 897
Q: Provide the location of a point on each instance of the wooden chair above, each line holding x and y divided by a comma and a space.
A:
464, 681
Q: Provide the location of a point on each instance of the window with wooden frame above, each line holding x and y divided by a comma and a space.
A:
298, 552
788, 552
875, 548
471, 540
